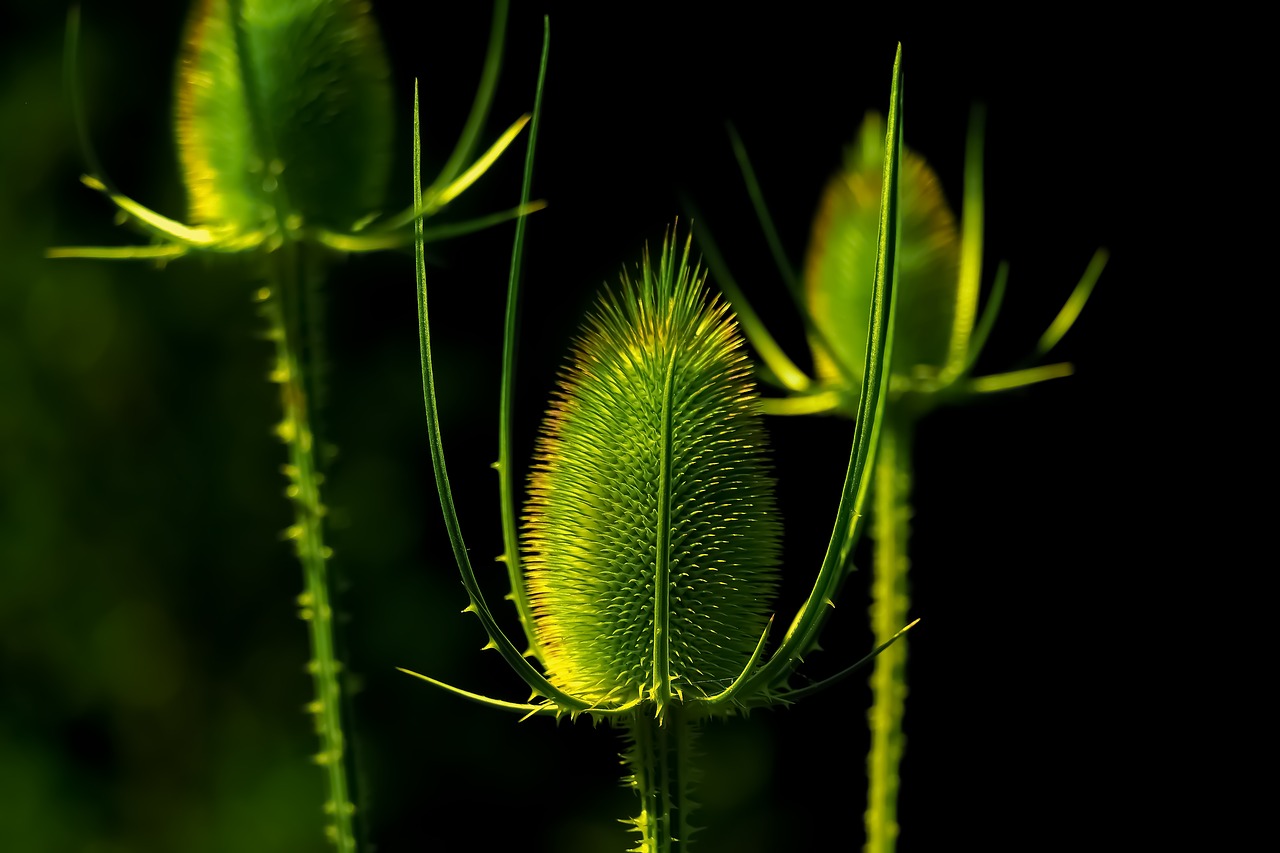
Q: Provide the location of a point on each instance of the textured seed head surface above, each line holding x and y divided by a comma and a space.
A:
651, 510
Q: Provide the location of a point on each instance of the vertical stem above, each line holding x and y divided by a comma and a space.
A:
282, 306
890, 600
661, 760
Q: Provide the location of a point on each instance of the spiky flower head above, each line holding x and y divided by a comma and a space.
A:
651, 529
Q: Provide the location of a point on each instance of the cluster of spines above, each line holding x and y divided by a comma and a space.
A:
651, 461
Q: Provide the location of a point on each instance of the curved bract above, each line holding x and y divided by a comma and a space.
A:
651, 528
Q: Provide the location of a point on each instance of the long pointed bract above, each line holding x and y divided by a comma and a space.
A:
536, 681
971, 225
480, 106
506, 485
802, 634
1075, 303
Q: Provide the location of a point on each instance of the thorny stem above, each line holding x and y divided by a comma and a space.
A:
890, 600
661, 759
282, 306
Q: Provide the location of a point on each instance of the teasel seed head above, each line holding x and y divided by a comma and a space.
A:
651, 531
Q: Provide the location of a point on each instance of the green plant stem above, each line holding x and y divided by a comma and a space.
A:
661, 761
890, 600
284, 307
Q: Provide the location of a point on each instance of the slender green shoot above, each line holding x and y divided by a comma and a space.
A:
1075, 303
762, 214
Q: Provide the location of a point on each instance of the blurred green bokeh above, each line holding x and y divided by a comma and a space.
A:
151, 656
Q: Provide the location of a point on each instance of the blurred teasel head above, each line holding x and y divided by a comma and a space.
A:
283, 102
840, 264
939, 331
283, 125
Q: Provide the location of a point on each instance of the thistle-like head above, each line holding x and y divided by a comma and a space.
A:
651, 532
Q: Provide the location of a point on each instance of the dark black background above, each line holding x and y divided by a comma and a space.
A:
1033, 561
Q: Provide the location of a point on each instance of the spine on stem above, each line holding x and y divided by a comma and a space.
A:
282, 303
890, 600
661, 759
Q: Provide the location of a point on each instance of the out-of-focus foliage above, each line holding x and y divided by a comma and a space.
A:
142, 663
